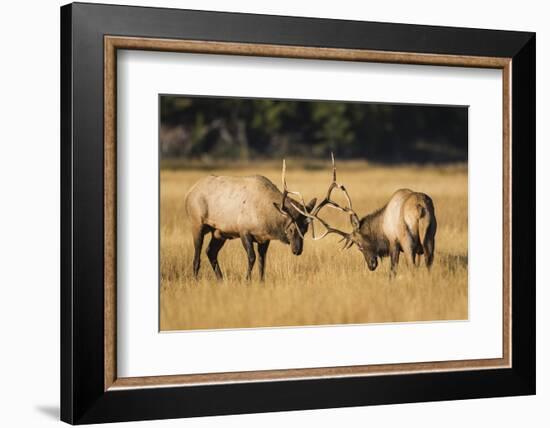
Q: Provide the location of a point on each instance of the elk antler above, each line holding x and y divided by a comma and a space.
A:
314, 215
329, 202
328, 228
286, 192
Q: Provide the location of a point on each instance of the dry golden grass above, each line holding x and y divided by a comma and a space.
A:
324, 285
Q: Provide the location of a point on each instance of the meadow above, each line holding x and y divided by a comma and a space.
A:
324, 285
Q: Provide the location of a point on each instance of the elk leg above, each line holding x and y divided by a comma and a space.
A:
394, 259
429, 248
262, 251
409, 248
246, 239
198, 238
212, 251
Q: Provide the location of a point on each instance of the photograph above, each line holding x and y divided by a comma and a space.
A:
290, 213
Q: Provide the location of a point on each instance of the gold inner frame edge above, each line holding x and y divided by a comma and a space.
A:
113, 43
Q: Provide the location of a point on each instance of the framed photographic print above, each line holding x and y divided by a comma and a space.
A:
264, 213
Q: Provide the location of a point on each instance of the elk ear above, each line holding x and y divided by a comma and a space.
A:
355, 222
311, 205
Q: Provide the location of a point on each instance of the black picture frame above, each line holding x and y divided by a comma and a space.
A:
83, 398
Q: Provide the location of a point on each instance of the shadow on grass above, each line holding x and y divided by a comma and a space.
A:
454, 262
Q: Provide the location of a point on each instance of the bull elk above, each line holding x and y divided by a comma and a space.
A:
249, 208
405, 224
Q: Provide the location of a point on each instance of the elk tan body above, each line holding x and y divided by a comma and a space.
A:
249, 208
407, 223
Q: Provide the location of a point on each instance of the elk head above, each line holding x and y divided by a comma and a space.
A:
297, 219
355, 237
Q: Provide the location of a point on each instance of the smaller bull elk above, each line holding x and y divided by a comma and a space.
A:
405, 224
249, 208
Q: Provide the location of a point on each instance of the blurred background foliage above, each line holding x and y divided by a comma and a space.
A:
207, 129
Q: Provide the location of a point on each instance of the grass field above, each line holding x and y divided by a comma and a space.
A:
324, 285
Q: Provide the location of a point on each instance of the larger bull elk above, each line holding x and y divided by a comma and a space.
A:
405, 224
249, 208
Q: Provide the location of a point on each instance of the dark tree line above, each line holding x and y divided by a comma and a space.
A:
247, 129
